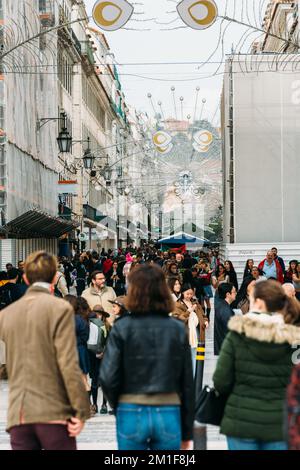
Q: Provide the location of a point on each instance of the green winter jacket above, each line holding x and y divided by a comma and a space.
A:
254, 369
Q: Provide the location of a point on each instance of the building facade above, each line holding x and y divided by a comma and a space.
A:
65, 72
281, 20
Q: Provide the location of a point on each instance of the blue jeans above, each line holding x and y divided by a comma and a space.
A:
141, 427
252, 444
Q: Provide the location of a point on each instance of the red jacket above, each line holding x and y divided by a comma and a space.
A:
107, 265
280, 277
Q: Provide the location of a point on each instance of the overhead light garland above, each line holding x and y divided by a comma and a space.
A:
199, 14
112, 15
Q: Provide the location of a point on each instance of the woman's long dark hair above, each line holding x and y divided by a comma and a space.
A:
80, 306
242, 293
148, 291
171, 283
290, 266
247, 270
218, 270
232, 270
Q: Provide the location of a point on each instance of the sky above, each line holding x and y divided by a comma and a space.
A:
178, 47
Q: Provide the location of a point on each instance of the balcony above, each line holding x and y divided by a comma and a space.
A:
91, 213
76, 42
87, 51
118, 110
64, 212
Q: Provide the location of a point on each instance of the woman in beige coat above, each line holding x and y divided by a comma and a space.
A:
188, 310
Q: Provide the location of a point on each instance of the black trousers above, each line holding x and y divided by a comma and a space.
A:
80, 287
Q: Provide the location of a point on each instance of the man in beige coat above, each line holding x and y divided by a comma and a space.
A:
48, 404
100, 294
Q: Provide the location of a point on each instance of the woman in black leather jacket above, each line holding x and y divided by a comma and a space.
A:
146, 372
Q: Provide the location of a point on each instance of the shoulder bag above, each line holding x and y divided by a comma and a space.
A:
210, 407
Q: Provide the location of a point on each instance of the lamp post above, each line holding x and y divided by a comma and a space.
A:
107, 174
120, 186
64, 139
149, 207
88, 158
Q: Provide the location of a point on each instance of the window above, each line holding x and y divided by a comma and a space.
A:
93, 103
94, 145
64, 12
65, 71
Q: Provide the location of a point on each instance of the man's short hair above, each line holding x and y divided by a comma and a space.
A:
40, 267
224, 289
95, 274
12, 274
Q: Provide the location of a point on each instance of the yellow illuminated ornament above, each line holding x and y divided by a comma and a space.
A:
165, 150
203, 137
202, 141
199, 14
161, 139
201, 148
112, 15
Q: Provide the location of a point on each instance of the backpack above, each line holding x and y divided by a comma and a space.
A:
97, 338
57, 292
5, 298
73, 275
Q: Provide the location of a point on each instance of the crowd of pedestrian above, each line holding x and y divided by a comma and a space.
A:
136, 318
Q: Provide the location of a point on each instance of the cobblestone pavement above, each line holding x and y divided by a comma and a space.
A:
99, 432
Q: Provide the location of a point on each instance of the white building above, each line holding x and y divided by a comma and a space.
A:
261, 166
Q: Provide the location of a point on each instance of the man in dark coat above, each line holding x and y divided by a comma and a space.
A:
12, 291
223, 313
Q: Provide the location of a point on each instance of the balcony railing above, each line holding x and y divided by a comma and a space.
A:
91, 213
76, 42
87, 51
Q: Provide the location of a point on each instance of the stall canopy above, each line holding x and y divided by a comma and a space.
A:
38, 224
183, 238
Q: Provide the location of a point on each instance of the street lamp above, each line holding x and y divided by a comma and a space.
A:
120, 185
64, 141
88, 158
107, 172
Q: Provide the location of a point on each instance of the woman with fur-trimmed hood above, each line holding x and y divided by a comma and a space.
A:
254, 369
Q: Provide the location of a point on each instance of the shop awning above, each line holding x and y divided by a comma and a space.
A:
38, 224
182, 238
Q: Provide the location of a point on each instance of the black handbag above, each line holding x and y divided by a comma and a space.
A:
210, 407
